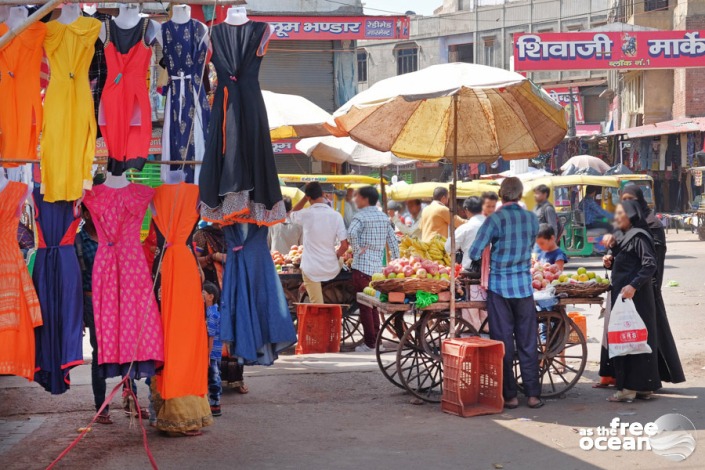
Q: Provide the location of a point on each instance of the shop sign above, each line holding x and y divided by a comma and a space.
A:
562, 97
609, 50
284, 147
336, 28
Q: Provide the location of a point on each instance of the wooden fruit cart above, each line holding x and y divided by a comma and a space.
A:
339, 290
408, 347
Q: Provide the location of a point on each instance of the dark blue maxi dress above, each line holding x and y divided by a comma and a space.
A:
255, 317
57, 279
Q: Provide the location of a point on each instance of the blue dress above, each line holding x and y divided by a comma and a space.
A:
187, 110
255, 317
57, 279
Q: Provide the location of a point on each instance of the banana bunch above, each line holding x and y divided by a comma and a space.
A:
433, 250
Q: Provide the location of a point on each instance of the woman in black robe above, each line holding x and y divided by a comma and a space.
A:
670, 367
633, 265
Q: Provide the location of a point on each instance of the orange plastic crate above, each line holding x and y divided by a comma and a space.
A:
319, 328
472, 376
581, 322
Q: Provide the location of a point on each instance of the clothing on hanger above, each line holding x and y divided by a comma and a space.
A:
98, 70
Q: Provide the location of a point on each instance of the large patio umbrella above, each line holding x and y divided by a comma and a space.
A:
294, 117
468, 113
345, 150
586, 161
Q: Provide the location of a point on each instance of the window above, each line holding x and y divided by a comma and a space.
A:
407, 59
361, 65
575, 27
489, 51
461, 53
634, 95
651, 5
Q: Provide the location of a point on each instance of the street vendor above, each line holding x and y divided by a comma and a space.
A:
322, 227
410, 224
370, 233
512, 232
435, 219
283, 236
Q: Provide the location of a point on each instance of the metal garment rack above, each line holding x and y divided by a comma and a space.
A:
50, 5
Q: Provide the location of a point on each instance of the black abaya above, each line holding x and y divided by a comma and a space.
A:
635, 264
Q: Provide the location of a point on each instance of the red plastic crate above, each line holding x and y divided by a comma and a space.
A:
319, 328
581, 322
472, 376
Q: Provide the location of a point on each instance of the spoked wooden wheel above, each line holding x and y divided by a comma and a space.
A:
388, 340
419, 364
562, 351
352, 328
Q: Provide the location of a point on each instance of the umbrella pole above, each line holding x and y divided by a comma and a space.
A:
453, 213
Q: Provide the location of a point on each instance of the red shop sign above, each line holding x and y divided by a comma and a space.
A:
332, 28
609, 50
285, 147
562, 97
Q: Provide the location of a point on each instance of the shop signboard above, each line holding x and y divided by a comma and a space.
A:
338, 28
562, 97
625, 50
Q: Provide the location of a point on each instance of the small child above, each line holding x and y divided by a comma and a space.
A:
211, 296
549, 252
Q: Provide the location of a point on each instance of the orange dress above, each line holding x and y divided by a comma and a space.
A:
20, 94
19, 305
183, 315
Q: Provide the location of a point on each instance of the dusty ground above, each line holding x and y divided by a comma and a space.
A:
337, 411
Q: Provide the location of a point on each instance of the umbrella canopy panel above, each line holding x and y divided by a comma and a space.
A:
500, 113
345, 150
586, 161
293, 116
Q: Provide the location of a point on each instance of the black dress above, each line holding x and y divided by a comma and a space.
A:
670, 367
239, 181
635, 264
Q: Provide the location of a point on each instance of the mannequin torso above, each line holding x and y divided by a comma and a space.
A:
16, 16
181, 14
237, 16
70, 12
116, 182
128, 17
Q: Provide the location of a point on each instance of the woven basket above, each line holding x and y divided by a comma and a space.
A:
582, 291
411, 285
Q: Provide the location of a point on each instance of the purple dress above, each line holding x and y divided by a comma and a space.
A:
57, 279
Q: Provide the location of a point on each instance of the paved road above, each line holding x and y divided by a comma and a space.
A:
337, 411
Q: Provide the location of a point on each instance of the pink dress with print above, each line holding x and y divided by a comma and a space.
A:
124, 306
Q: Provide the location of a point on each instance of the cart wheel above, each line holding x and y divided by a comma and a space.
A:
562, 352
388, 340
419, 363
352, 328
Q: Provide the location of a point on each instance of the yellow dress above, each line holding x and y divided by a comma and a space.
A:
69, 129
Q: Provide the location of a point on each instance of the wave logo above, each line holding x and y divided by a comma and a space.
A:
675, 439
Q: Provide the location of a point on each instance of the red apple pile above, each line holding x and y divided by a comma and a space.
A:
414, 267
543, 274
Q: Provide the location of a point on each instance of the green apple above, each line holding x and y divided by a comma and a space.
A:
582, 271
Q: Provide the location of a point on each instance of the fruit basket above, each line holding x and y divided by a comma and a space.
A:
411, 285
581, 289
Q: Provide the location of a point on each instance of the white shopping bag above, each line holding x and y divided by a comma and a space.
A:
626, 331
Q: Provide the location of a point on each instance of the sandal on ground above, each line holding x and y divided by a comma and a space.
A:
622, 396
242, 390
104, 419
605, 382
512, 406
644, 395
538, 404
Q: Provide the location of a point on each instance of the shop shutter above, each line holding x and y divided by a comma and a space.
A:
293, 164
302, 68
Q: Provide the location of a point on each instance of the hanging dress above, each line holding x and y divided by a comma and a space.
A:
59, 284
255, 316
20, 94
239, 181
98, 71
187, 110
125, 115
19, 306
69, 127
127, 320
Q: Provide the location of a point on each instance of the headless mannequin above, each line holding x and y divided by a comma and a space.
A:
116, 182
90, 8
16, 16
181, 14
70, 12
237, 16
128, 17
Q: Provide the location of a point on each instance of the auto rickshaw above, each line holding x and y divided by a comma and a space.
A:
424, 191
567, 194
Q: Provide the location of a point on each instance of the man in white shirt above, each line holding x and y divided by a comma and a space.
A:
323, 227
466, 233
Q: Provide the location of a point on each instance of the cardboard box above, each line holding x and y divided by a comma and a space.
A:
396, 297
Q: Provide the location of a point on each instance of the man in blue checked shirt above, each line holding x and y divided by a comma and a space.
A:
370, 232
594, 213
510, 303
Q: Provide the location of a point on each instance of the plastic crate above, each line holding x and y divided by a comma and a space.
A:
581, 322
472, 376
319, 328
